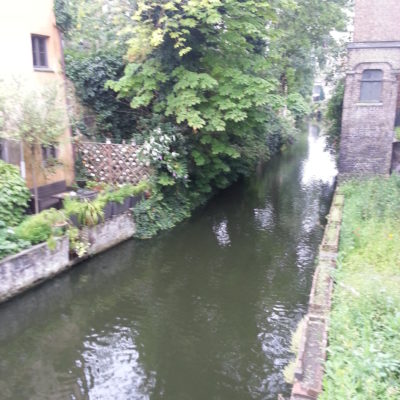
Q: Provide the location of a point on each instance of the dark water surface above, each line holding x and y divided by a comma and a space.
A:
202, 312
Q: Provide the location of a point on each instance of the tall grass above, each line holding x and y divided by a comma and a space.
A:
364, 338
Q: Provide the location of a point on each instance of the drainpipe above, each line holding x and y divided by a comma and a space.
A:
22, 160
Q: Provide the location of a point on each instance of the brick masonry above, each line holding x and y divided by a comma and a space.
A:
368, 128
376, 20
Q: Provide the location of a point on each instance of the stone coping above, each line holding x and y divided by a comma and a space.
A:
374, 45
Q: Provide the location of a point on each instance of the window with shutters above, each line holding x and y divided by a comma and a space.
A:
39, 51
371, 86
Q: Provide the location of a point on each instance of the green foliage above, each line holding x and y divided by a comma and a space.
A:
93, 55
34, 116
160, 213
89, 71
205, 81
9, 242
78, 242
120, 194
63, 15
14, 195
298, 105
88, 213
334, 114
41, 227
397, 133
364, 344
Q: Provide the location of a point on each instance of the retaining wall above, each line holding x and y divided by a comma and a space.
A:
312, 351
30, 267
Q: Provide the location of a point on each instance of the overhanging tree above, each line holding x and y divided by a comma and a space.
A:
35, 117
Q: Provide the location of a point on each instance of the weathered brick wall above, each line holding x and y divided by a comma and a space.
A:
374, 20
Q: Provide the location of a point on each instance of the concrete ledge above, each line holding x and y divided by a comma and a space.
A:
28, 268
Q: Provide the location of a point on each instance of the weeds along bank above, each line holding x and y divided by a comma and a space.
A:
364, 336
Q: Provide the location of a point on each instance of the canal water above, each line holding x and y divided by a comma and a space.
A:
202, 312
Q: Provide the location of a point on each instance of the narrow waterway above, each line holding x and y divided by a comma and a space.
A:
202, 312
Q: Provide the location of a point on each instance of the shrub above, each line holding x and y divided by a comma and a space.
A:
87, 213
41, 227
9, 242
14, 195
125, 191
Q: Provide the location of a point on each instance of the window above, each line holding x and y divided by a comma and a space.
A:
371, 86
39, 51
49, 153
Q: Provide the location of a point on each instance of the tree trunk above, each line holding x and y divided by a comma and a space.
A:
35, 189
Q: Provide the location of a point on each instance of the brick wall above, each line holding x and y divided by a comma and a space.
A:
368, 128
377, 20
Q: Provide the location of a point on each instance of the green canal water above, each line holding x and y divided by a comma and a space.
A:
202, 312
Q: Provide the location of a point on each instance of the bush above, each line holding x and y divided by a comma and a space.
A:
9, 242
14, 195
41, 227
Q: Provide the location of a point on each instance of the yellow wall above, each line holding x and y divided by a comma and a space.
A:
18, 20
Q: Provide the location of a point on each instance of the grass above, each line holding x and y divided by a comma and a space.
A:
364, 338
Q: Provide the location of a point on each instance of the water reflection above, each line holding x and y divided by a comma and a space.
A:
112, 369
204, 311
221, 233
320, 164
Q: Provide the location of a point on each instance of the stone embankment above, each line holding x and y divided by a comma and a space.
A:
30, 267
313, 343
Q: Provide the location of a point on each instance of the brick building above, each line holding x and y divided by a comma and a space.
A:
371, 101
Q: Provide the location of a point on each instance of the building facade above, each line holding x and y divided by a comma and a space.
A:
371, 101
31, 54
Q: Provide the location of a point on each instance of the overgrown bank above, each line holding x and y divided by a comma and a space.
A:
209, 87
364, 341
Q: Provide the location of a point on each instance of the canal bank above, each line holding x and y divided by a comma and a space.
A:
311, 337
202, 311
364, 340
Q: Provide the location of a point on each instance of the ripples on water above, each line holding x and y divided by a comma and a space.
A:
204, 311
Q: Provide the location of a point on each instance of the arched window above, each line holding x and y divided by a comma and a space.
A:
371, 86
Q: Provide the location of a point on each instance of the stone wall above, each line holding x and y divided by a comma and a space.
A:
110, 233
32, 266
